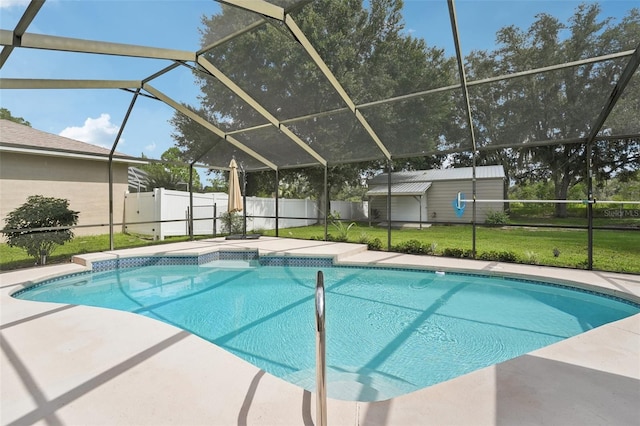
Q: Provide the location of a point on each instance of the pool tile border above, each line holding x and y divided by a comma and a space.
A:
291, 261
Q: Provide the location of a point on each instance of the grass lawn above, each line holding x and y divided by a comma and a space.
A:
617, 251
14, 258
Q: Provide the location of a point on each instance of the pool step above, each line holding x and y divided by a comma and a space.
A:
347, 385
232, 264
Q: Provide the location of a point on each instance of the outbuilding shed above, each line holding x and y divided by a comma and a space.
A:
428, 196
33, 162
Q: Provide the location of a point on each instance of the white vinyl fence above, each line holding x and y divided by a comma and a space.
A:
165, 213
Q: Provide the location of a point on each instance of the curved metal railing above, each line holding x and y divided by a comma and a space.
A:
321, 363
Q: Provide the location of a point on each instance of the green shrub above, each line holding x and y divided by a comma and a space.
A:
40, 212
374, 244
232, 223
409, 247
497, 218
458, 252
499, 256
414, 247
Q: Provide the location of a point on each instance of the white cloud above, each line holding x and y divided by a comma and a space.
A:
97, 131
151, 147
6, 4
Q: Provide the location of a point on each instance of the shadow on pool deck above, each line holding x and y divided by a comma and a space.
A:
572, 394
64, 364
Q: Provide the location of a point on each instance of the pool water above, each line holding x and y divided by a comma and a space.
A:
389, 331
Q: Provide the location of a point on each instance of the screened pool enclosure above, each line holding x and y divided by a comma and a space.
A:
282, 85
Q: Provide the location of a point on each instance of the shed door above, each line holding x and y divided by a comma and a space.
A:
406, 207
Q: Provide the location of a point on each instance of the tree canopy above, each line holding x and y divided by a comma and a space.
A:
168, 174
556, 105
5, 114
533, 125
380, 60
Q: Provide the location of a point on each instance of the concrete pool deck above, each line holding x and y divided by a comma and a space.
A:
77, 365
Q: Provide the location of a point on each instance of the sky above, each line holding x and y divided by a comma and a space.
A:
95, 116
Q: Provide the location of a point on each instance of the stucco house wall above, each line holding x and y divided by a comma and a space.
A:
83, 182
38, 163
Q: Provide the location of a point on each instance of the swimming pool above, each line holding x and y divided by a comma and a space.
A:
389, 331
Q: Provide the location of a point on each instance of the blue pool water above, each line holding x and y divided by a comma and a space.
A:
389, 332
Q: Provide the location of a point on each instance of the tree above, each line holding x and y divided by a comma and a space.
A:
369, 53
169, 175
556, 105
5, 114
40, 212
217, 182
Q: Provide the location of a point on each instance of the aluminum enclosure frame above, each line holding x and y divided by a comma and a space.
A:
19, 38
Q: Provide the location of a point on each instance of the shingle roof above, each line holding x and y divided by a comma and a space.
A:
482, 172
21, 136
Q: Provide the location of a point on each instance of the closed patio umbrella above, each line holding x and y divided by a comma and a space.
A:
235, 194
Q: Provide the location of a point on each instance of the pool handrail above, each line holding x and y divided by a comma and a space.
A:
321, 364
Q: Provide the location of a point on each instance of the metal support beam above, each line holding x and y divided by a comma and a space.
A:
260, 7
195, 117
617, 91
215, 72
113, 150
66, 44
277, 199
21, 27
162, 71
322, 66
326, 203
44, 83
230, 37
465, 95
191, 201
389, 169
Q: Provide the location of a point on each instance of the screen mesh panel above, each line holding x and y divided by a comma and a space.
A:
279, 148
555, 105
420, 125
276, 72
538, 73
337, 137
625, 116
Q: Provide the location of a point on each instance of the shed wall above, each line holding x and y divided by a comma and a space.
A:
403, 208
439, 199
83, 182
442, 194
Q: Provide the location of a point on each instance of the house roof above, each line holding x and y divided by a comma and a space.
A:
15, 137
405, 188
460, 173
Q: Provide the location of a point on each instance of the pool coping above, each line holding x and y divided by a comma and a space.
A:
95, 357
97, 263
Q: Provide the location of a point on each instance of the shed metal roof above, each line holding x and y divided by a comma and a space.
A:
460, 173
408, 188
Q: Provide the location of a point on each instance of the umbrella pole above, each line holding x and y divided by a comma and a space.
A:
244, 202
